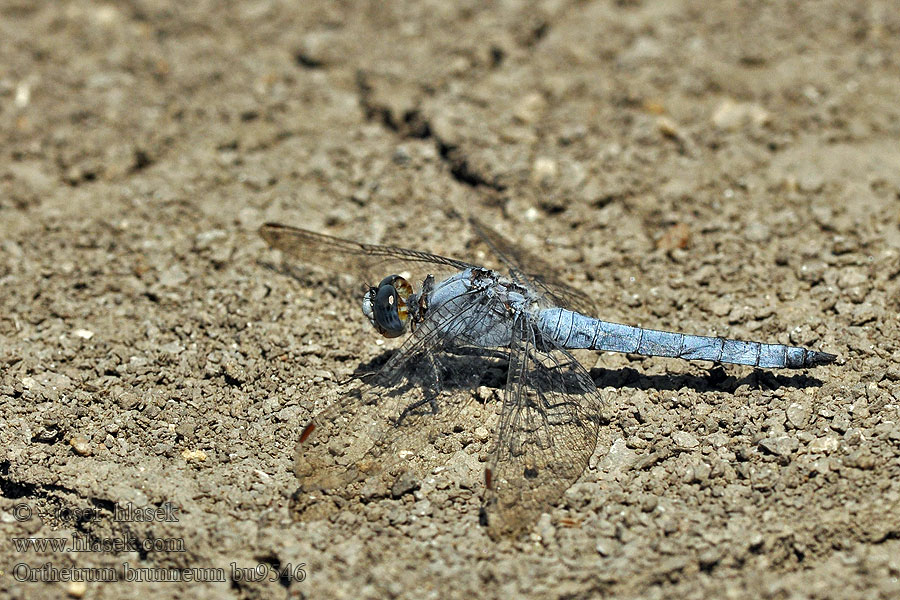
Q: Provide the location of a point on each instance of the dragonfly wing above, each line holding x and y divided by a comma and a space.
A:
387, 420
366, 262
548, 429
531, 270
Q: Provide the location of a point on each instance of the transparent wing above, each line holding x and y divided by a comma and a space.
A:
366, 262
534, 272
390, 417
548, 430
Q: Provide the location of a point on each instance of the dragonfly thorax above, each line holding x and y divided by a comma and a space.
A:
386, 305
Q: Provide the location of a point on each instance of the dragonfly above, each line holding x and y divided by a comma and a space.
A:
463, 323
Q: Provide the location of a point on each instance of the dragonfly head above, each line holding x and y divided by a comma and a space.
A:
385, 305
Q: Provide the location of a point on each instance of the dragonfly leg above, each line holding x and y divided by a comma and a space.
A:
430, 391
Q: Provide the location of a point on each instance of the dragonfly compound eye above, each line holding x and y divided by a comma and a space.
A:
389, 312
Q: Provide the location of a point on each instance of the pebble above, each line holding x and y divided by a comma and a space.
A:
619, 457
206, 238
605, 547
422, 508
678, 236
734, 115
840, 422
798, 415
720, 307
544, 170
697, 473
825, 445
76, 589
127, 400
81, 446
234, 371
684, 440
545, 529
484, 393
757, 232
782, 445
812, 272
174, 276
850, 277
404, 484
319, 49
530, 108
710, 557
861, 459
668, 127
863, 313
193, 455
172, 348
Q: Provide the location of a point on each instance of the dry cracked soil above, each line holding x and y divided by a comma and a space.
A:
723, 168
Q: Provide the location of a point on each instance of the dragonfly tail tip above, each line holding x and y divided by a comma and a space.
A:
814, 359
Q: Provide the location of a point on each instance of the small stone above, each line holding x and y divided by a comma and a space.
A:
852, 277
318, 49
84, 334
697, 473
320, 375
484, 393
234, 372
81, 446
734, 115
798, 415
545, 529
668, 127
812, 272
127, 400
422, 508
853, 436
605, 547
172, 348
76, 589
824, 445
863, 313
710, 557
185, 428
782, 445
193, 455
619, 457
757, 232
676, 237
404, 484
544, 170
720, 307
840, 422
530, 108
861, 459
684, 440
174, 276
205, 239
